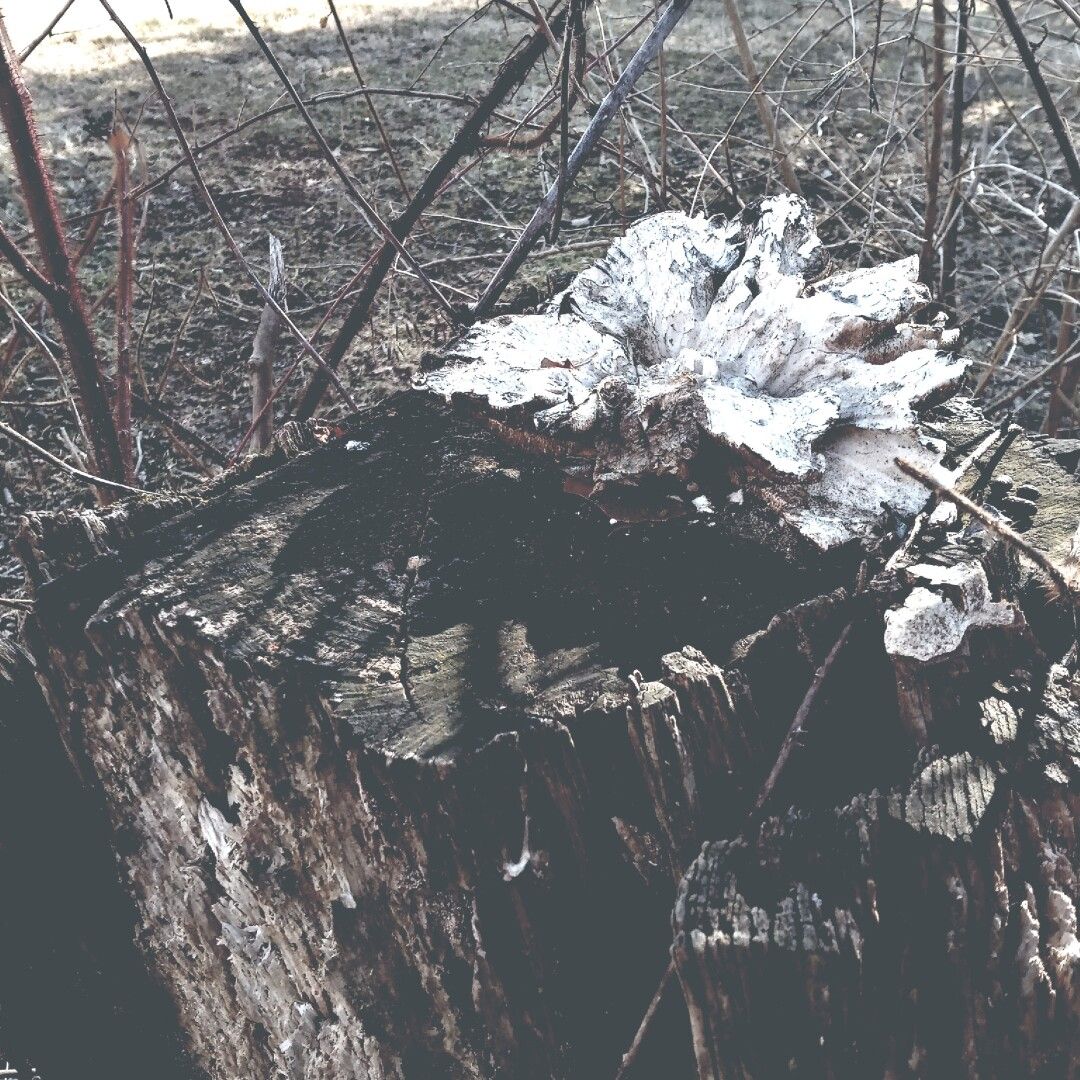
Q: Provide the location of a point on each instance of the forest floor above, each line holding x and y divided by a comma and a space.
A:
196, 315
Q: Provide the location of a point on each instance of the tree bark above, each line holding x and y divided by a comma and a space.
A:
76, 997
405, 750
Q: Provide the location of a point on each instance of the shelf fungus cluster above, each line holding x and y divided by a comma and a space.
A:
691, 335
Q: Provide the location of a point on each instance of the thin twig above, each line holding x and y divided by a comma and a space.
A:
89, 478
603, 116
388, 146
211, 205
261, 364
746, 57
511, 75
1053, 116
47, 32
369, 212
794, 736
631, 1055
992, 522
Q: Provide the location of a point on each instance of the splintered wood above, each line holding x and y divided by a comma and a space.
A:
691, 332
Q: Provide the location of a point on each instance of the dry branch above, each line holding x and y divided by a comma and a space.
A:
71, 470
125, 282
211, 205
761, 104
605, 113
370, 214
512, 73
64, 296
384, 138
1046, 99
47, 32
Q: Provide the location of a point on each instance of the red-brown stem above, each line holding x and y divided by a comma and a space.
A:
1069, 376
96, 220
125, 278
66, 302
208, 199
933, 149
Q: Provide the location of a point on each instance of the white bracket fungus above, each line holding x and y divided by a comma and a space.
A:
689, 331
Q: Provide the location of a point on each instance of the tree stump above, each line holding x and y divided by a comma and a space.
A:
408, 729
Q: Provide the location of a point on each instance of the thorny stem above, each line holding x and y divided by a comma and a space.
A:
64, 295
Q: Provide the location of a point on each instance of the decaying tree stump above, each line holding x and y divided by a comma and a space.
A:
76, 997
410, 731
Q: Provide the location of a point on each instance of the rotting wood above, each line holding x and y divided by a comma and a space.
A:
75, 999
390, 805
694, 337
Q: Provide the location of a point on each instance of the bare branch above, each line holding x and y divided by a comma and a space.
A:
603, 116
370, 213
208, 199
89, 478
67, 300
47, 32
511, 75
